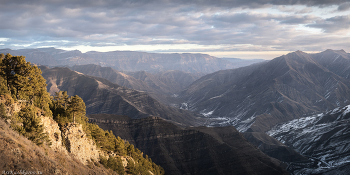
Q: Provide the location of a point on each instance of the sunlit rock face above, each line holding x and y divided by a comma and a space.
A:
78, 144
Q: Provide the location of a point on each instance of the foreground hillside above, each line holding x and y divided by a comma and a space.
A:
198, 150
18, 154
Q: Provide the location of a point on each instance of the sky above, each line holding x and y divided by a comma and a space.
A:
248, 29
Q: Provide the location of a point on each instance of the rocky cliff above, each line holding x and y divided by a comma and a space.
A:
55, 135
77, 143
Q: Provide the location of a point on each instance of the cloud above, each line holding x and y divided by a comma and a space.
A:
231, 24
344, 6
334, 24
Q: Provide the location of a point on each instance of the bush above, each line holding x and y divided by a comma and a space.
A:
31, 126
3, 111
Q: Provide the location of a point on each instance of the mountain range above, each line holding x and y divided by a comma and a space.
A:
128, 60
257, 97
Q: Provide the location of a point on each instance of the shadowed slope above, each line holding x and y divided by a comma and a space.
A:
191, 151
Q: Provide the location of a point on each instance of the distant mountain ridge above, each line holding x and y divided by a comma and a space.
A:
159, 85
126, 60
257, 97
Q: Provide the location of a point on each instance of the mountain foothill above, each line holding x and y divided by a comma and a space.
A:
198, 114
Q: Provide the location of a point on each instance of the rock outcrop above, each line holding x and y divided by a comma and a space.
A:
78, 144
54, 133
72, 139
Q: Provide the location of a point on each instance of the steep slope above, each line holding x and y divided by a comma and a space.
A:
21, 156
273, 147
257, 97
324, 138
191, 151
125, 60
102, 96
337, 61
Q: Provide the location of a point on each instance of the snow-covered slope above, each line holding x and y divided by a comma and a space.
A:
324, 138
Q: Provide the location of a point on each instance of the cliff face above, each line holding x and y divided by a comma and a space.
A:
77, 143
54, 133
72, 140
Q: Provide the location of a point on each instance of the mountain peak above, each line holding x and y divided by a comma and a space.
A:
335, 51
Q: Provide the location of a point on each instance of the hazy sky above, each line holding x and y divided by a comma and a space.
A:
224, 28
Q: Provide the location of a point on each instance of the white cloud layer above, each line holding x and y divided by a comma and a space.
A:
179, 26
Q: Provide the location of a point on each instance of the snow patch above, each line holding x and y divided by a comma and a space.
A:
207, 114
